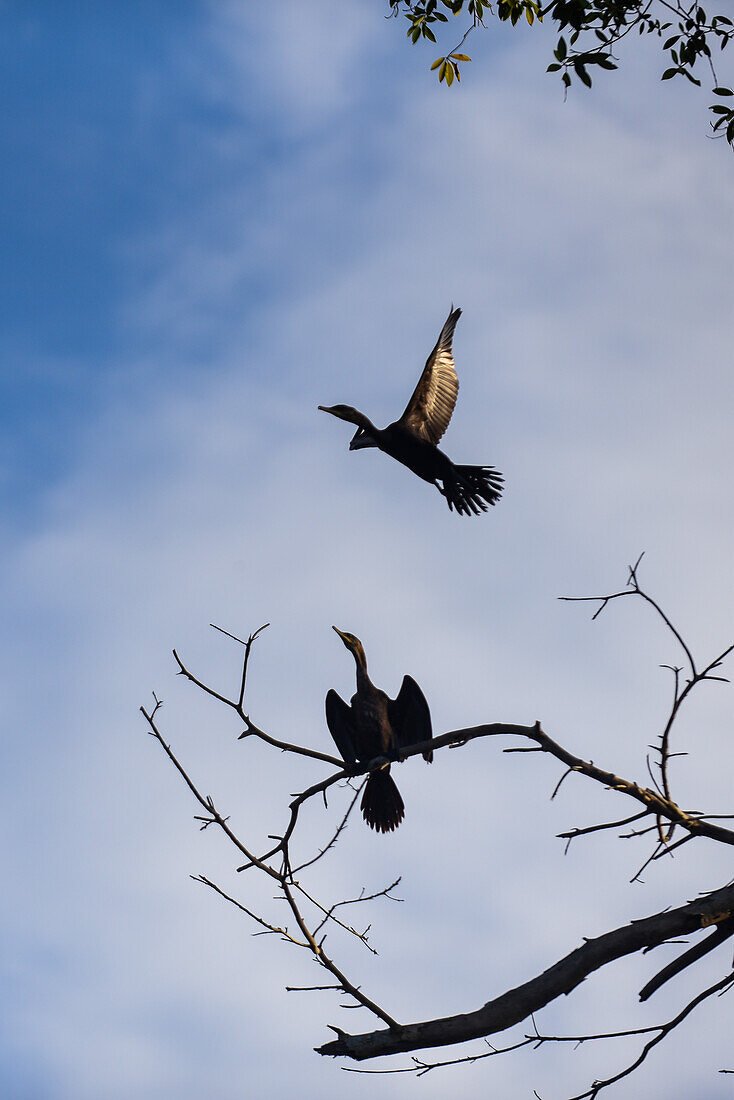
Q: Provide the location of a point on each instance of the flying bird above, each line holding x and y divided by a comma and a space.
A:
373, 725
413, 438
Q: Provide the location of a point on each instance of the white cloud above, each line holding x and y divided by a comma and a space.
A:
593, 357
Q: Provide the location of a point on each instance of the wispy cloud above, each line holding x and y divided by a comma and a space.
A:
588, 245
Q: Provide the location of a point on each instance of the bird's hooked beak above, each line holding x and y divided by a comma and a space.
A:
335, 410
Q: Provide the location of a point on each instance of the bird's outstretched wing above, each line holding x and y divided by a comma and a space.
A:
410, 717
429, 410
339, 721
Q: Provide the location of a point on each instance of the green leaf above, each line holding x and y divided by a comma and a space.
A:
669, 73
449, 75
465, 57
723, 91
582, 74
436, 63
562, 49
553, 68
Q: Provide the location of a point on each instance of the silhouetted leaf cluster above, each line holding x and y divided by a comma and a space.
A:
588, 34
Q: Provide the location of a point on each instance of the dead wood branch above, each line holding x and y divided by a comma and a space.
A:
655, 814
519, 1004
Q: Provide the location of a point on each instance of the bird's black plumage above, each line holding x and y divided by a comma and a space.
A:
413, 439
373, 725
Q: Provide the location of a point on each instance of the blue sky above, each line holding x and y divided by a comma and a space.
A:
217, 217
88, 172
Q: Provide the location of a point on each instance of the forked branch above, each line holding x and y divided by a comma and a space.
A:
520, 1003
655, 811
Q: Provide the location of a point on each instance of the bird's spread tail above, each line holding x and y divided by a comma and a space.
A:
382, 806
469, 489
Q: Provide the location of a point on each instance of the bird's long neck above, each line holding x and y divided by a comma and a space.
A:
362, 421
367, 435
364, 684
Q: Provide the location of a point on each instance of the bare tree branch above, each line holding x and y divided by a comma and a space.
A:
679, 695
724, 930
518, 1004
282, 877
237, 705
665, 1029
312, 917
537, 1039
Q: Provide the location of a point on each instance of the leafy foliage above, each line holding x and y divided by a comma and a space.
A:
588, 34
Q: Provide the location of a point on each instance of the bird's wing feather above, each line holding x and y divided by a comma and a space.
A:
429, 410
410, 716
339, 721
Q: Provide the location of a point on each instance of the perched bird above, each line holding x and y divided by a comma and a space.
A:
372, 726
413, 438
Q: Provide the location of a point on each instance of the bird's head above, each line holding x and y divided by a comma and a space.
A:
343, 412
363, 436
353, 644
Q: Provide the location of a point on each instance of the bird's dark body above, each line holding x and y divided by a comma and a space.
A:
413, 439
371, 718
372, 726
420, 456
